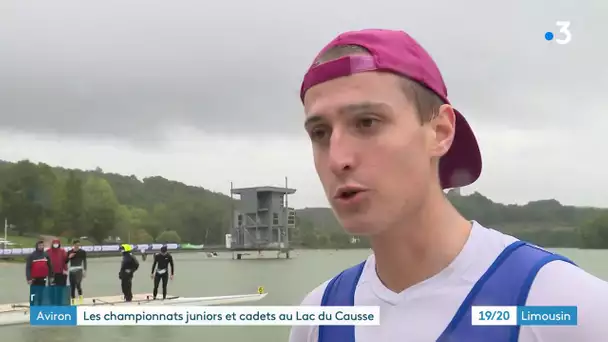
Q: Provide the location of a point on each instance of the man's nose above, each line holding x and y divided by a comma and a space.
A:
342, 153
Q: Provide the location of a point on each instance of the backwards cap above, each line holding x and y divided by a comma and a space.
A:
398, 53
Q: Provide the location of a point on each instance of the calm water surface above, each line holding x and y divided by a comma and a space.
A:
286, 281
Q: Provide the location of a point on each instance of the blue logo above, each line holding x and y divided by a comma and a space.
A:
547, 315
564, 30
53, 315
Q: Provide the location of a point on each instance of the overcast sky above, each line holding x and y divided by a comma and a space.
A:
207, 92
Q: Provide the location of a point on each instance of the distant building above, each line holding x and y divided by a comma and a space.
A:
262, 220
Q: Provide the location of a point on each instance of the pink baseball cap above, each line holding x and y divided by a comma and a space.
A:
397, 52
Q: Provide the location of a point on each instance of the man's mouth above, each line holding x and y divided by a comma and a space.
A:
347, 193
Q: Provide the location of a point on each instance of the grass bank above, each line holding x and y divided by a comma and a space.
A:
30, 241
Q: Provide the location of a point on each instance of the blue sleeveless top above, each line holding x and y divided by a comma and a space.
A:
506, 283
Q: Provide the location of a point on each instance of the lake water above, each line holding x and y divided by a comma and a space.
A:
286, 281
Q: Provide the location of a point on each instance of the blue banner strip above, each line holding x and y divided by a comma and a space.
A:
547, 315
49, 295
53, 316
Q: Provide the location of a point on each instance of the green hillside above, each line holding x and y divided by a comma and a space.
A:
40, 199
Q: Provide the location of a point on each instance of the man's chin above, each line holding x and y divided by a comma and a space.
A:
359, 227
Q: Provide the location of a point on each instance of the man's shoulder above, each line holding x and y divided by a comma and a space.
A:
315, 296
559, 276
305, 333
308, 333
560, 283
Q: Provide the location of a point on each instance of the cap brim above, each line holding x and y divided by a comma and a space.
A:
461, 165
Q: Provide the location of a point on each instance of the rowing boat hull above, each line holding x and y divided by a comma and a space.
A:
207, 301
12, 314
15, 317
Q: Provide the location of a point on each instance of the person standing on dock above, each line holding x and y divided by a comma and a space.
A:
38, 271
59, 258
144, 252
163, 260
128, 267
77, 260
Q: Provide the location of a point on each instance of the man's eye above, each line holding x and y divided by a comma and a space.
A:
366, 122
318, 133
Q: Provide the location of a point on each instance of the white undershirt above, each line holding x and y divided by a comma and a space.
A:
422, 312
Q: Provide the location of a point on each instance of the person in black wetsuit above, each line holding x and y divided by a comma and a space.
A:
77, 262
163, 260
127, 268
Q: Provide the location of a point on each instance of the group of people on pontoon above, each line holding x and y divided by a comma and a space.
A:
56, 267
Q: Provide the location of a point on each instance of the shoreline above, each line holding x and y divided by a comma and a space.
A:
95, 255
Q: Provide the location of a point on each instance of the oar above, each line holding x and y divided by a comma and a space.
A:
102, 301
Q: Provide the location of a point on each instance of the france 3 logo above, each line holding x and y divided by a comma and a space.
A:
564, 36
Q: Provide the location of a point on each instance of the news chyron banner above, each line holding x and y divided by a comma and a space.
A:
131, 315
116, 315
524, 315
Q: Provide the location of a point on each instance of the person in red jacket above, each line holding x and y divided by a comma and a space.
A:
38, 268
59, 259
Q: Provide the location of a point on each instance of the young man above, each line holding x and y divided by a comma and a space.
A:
386, 142
38, 271
163, 260
77, 260
128, 267
59, 259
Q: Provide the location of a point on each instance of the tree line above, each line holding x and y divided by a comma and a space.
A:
546, 223
39, 199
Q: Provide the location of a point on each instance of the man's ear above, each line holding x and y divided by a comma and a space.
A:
443, 126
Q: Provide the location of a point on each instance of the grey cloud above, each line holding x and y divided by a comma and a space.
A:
132, 69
